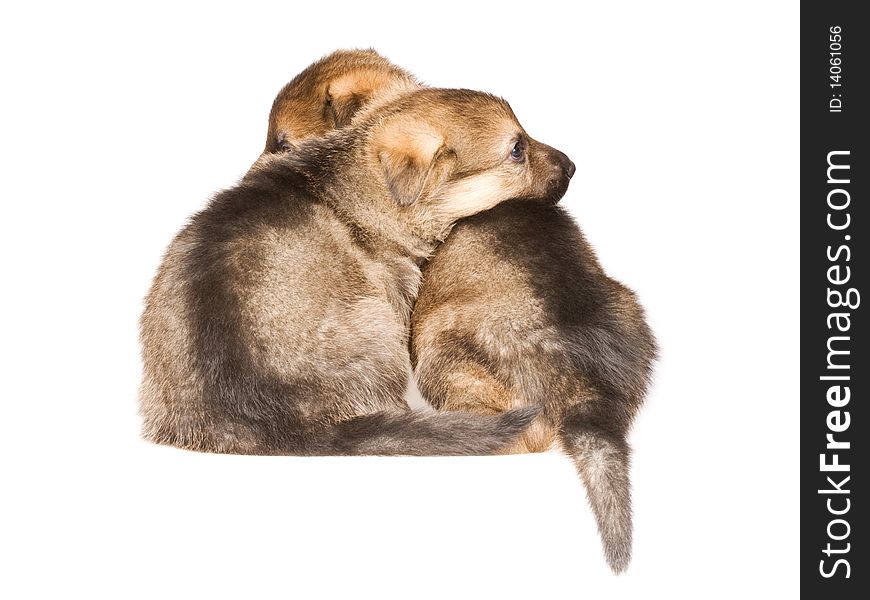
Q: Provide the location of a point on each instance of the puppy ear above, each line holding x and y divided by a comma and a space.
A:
414, 159
350, 92
341, 109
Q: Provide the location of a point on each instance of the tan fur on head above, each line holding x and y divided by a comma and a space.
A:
330, 93
363, 88
450, 154
413, 158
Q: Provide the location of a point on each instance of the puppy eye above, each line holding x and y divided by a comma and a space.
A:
518, 152
284, 141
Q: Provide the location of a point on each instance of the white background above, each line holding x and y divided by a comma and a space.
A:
117, 123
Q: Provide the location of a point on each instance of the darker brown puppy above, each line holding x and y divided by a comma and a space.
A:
278, 322
516, 311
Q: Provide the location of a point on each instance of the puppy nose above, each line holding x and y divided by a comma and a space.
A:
569, 170
563, 163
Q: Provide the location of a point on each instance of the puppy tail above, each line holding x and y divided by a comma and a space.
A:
602, 460
416, 433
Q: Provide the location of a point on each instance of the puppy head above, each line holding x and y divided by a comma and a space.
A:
329, 93
459, 152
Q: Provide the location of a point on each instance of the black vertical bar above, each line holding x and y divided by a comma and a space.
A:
835, 369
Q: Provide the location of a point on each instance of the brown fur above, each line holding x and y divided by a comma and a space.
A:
329, 93
278, 322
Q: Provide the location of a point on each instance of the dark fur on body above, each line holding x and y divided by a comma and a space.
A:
516, 311
278, 322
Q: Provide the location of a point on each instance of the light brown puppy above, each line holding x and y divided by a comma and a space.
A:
514, 311
278, 322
